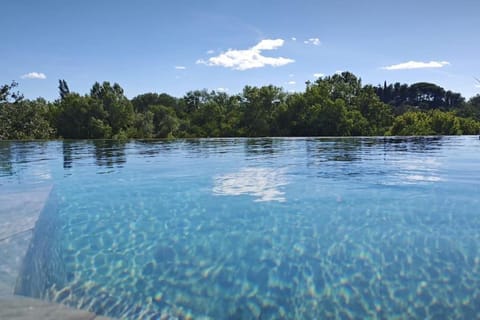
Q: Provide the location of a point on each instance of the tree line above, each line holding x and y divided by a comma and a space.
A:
337, 105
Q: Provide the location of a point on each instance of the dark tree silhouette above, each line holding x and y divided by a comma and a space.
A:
63, 89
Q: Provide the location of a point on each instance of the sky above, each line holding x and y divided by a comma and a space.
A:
178, 46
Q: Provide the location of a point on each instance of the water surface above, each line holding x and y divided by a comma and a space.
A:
304, 228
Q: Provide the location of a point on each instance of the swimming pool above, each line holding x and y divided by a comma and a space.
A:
300, 228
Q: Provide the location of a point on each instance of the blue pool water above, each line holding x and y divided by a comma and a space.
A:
350, 228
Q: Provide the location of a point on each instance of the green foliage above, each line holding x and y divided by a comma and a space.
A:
471, 109
357, 124
345, 86
119, 110
165, 122
434, 122
331, 119
143, 126
337, 105
142, 102
421, 95
445, 123
8, 95
412, 123
25, 120
260, 107
469, 126
378, 114
81, 117
63, 88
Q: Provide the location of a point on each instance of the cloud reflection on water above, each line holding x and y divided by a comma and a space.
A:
262, 183
414, 171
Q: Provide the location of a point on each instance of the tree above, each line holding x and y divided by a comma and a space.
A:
143, 101
143, 126
25, 120
454, 100
357, 124
63, 89
260, 108
445, 123
412, 123
82, 117
427, 95
378, 114
294, 118
421, 95
118, 109
7, 94
471, 108
469, 126
345, 86
331, 119
336, 105
209, 118
194, 99
165, 121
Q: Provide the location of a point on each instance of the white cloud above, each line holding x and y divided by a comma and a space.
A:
180, 67
417, 65
291, 82
338, 71
210, 51
294, 39
222, 89
318, 75
314, 41
291, 75
34, 75
250, 58
477, 86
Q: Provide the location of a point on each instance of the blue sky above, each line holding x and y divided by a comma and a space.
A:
177, 46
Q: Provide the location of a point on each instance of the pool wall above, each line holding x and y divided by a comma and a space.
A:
19, 212
42, 267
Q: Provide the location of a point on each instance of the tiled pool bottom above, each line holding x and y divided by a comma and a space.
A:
129, 259
258, 229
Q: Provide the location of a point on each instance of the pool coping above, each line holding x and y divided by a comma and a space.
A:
23, 308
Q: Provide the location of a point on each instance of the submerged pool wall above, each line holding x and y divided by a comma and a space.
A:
43, 266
